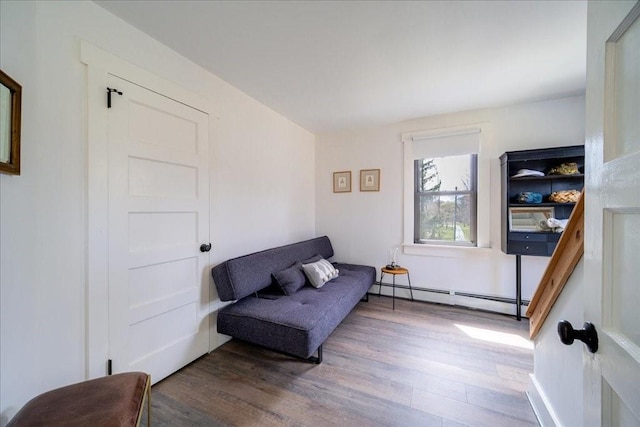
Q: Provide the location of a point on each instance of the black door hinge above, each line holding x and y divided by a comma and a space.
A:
109, 367
109, 91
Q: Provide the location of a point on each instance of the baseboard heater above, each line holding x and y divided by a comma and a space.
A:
460, 294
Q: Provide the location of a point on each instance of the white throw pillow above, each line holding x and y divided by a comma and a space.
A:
320, 272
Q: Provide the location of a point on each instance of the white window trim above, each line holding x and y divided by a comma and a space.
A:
483, 192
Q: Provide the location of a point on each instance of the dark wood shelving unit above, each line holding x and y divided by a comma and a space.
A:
535, 242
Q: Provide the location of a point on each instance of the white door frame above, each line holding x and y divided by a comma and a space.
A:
99, 65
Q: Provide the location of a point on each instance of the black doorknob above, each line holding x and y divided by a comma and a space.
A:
588, 335
205, 248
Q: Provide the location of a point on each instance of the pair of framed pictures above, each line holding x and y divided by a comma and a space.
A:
369, 181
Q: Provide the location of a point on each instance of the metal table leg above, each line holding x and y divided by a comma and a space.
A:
394, 292
410, 288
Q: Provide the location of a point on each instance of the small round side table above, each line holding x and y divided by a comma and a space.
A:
394, 272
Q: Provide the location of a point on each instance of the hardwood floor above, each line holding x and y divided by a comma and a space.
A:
420, 365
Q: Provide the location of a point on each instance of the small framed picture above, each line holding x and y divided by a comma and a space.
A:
370, 180
342, 182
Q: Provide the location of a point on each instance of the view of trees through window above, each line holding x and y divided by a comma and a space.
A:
445, 199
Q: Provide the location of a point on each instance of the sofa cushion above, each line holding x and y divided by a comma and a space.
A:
319, 272
290, 280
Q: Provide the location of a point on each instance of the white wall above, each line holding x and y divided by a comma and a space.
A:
556, 384
260, 197
364, 225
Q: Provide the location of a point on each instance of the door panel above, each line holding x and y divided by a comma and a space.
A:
615, 411
624, 93
178, 228
173, 131
161, 280
623, 296
153, 178
159, 331
158, 217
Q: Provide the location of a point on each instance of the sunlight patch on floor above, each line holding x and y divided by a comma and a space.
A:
496, 337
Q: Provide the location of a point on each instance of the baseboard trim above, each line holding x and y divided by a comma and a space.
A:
491, 303
540, 404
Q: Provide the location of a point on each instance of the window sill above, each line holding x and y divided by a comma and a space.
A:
445, 251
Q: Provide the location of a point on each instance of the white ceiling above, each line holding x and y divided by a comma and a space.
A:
330, 65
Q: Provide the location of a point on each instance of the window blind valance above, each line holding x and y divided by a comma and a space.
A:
441, 145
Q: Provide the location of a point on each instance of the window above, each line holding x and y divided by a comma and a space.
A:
445, 200
446, 190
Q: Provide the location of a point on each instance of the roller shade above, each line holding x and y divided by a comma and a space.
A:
459, 143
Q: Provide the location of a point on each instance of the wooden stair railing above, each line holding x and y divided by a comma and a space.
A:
564, 259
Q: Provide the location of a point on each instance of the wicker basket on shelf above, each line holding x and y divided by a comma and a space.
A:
564, 196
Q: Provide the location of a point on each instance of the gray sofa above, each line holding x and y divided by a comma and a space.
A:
267, 312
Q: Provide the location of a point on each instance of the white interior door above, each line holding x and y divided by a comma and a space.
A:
612, 228
158, 218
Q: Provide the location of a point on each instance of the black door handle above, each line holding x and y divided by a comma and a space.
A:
588, 335
205, 248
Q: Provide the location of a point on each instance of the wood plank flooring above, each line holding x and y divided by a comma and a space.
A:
408, 367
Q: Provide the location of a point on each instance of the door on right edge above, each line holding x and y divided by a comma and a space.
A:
612, 214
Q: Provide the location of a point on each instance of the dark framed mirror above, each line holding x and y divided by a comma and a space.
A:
10, 113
